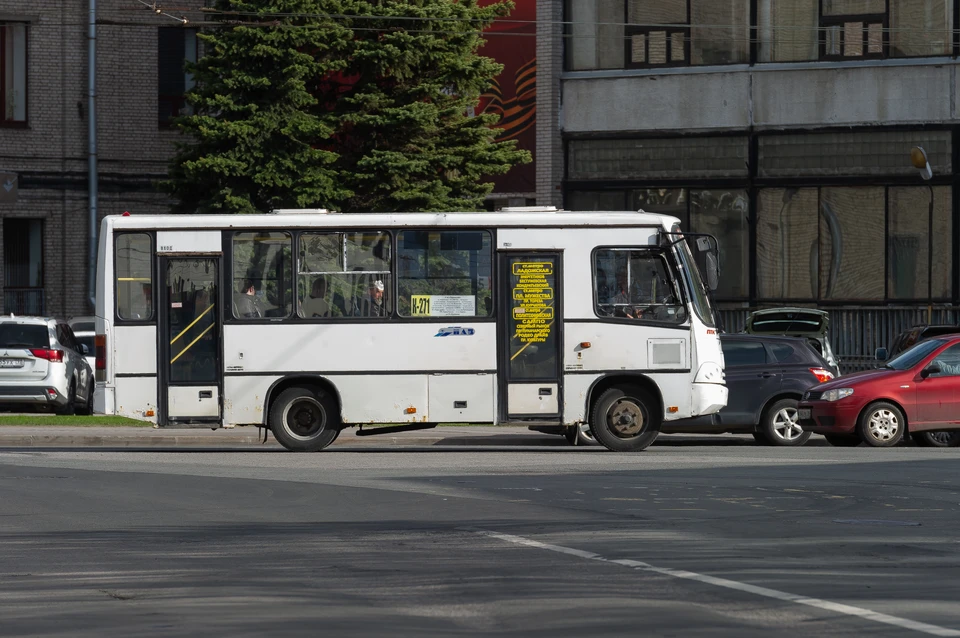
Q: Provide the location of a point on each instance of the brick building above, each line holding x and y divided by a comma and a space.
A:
44, 136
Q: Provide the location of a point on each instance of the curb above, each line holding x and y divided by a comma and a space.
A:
226, 439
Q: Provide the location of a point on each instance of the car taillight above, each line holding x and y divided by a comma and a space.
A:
100, 345
822, 375
45, 353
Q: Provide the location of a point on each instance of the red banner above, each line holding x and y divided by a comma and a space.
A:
512, 42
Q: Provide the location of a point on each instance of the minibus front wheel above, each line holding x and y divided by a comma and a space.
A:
624, 419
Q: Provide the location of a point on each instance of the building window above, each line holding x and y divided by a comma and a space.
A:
262, 275
134, 271
444, 273
13, 72
658, 33
788, 30
787, 234
175, 47
853, 29
836, 243
23, 266
851, 250
921, 28
345, 275
918, 248
725, 214
693, 157
847, 154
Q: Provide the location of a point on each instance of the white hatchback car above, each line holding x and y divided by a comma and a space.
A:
43, 364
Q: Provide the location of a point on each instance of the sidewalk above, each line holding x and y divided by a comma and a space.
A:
247, 437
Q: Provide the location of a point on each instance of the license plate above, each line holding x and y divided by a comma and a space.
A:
804, 413
11, 363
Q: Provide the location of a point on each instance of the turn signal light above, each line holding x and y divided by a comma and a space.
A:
822, 375
411, 410
50, 355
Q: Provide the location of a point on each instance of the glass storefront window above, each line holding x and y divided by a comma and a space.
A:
787, 266
851, 243
725, 214
911, 272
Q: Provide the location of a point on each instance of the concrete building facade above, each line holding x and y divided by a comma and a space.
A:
783, 127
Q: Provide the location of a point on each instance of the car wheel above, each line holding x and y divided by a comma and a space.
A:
781, 424
87, 408
843, 440
882, 425
71, 404
624, 419
936, 439
304, 420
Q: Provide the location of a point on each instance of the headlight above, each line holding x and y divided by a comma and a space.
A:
836, 395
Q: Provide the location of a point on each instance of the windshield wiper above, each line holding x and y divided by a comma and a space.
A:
18, 345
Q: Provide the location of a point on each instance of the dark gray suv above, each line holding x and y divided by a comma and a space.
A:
766, 377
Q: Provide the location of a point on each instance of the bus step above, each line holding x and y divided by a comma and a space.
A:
188, 425
395, 428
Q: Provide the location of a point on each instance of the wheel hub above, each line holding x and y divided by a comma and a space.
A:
884, 425
785, 424
626, 418
305, 419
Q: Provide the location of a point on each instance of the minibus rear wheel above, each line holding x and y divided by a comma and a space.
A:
304, 420
625, 419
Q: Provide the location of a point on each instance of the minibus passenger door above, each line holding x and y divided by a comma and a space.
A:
530, 335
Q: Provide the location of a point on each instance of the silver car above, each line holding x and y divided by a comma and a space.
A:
43, 364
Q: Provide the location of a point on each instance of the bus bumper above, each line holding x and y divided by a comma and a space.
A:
103, 399
707, 398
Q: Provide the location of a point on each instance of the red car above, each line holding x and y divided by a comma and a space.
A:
916, 392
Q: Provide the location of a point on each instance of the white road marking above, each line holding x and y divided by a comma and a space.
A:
840, 608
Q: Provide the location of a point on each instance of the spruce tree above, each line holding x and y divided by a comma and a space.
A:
353, 105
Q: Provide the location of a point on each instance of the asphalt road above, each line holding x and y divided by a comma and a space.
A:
681, 540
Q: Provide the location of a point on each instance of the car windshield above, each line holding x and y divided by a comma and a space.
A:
18, 335
909, 358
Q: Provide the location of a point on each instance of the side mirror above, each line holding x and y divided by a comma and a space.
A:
933, 368
84, 350
881, 354
712, 271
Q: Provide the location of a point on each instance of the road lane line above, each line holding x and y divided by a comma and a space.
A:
840, 608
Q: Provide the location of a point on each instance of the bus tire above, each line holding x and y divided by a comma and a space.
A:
304, 420
624, 419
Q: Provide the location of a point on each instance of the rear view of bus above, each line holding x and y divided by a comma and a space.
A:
307, 322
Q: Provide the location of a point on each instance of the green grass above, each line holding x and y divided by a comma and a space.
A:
71, 421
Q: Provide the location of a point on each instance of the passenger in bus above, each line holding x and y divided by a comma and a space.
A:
316, 305
622, 299
245, 303
372, 305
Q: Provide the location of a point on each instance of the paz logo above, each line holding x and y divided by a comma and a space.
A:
454, 331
